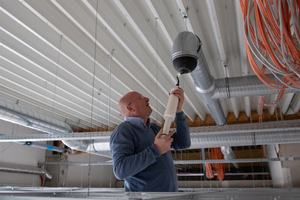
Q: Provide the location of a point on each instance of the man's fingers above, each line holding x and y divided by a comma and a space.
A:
159, 133
170, 134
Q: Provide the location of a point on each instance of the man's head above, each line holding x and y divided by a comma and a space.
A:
133, 104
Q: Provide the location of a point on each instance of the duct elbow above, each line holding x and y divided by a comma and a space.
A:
46, 173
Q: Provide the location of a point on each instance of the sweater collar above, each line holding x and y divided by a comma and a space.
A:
138, 121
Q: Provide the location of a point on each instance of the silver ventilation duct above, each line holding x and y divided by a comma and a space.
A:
188, 57
187, 50
245, 86
238, 137
245, 139
14, 113
24, 169
19, 115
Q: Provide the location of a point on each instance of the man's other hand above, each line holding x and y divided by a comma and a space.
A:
163, 144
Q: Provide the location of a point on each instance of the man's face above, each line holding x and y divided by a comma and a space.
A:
141, 105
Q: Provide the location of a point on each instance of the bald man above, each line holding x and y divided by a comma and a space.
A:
141, 157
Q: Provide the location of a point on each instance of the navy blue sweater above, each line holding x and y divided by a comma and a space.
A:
137, 160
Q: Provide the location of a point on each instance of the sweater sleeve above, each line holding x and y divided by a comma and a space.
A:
126, 161
181, 138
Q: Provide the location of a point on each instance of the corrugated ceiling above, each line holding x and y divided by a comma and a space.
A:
54, 56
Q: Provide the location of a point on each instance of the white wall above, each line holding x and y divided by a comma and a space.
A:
292, 174
11, 153
80, 176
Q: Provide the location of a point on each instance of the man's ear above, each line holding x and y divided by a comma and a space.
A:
130, 109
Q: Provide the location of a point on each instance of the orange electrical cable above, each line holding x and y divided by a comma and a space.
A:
275, 37
209, 171
217, 154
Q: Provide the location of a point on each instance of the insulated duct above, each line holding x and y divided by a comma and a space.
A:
229, 155
25, 170
25, 117
187, 49
187, 53
245, 139
245, 86
239, 137
101, 147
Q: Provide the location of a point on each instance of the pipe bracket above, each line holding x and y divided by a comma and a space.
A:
205, 91
227, 87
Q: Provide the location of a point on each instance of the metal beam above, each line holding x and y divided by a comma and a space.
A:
228, 174
51, 137
291, 158
195, 131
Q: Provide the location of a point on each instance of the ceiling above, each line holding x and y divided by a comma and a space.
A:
60, 59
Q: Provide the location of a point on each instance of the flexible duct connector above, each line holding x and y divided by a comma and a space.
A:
229, 155
204, 84
24, 169
245, 86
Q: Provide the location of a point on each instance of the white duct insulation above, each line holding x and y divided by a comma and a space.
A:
25, 170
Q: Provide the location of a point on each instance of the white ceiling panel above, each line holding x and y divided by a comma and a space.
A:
55, 56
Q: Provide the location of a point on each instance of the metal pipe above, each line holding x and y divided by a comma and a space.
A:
203, 165
183, 162
41, 146
109, 88
228, 174
44, 146
24, 169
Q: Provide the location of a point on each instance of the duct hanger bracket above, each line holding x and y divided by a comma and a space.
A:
227, 87
185, 16
226, 79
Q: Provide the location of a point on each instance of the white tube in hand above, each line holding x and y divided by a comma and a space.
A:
170, 112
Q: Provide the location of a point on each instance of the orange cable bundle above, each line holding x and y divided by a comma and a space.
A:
209, 171
217, 154
272, 36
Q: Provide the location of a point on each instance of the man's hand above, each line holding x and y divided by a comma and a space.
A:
180, 94
163, 144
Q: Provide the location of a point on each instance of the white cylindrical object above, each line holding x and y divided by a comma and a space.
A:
167, 125
170, 112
